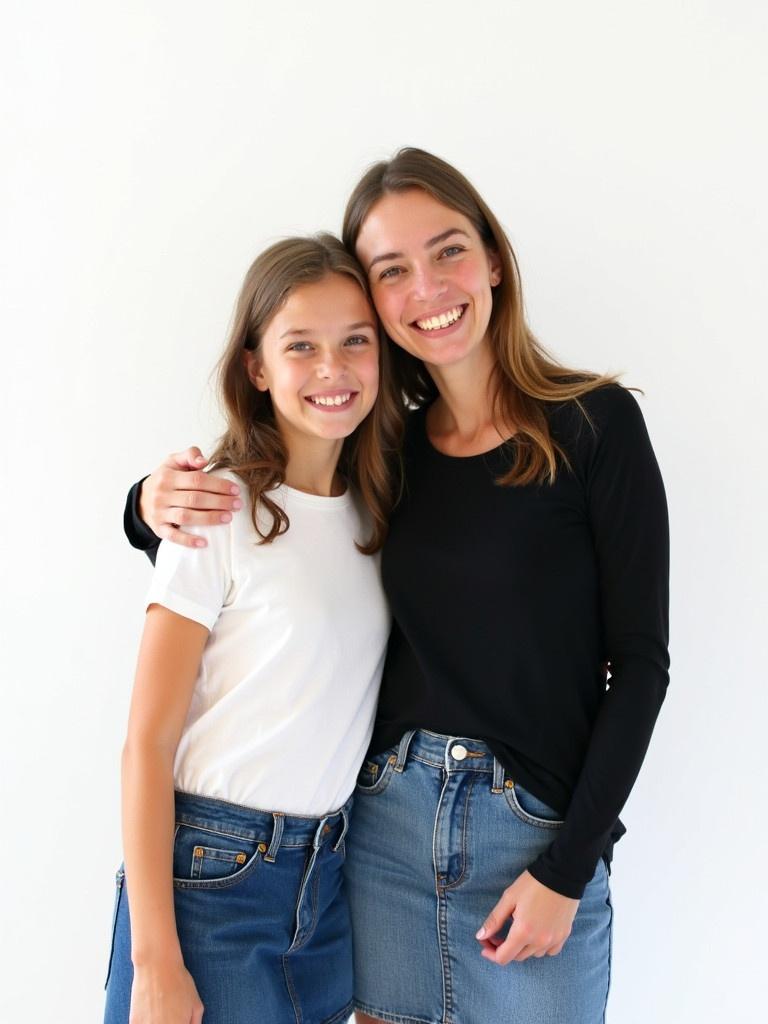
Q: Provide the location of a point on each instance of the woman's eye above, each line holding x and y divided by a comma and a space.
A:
389, 272
452, 250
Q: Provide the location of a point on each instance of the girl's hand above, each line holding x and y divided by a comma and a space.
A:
541, 922
164, 995
178, 494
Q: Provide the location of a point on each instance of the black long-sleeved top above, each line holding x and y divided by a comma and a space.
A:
508, 602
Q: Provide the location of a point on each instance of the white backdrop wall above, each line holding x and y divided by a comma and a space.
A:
150, 150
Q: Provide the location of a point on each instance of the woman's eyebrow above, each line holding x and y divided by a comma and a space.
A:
427, 245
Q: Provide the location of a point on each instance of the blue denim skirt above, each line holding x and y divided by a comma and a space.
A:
437, 833
261, 913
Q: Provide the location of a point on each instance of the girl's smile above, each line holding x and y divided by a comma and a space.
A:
319, 361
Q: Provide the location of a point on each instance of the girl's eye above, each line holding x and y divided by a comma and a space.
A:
300, 346
357, 339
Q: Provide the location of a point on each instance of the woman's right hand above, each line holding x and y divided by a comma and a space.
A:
164, 994
179, 494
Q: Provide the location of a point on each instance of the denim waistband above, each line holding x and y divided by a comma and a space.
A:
272, 828
453, 753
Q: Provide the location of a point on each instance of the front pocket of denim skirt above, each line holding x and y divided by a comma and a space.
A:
119, 886
375, 774
208, 859
529, 808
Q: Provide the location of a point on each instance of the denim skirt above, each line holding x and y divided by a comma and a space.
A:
261, 914
437, 833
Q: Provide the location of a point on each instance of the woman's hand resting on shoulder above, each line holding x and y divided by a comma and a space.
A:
541, 922
179, 494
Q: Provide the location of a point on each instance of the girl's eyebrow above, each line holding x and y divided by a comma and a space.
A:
427, 245
307, 330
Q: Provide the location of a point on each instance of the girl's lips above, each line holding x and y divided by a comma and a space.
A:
332, 406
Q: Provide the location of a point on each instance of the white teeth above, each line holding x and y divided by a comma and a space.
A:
433, 323
330, 399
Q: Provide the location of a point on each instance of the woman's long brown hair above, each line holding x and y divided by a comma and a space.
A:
251, 445
525, 377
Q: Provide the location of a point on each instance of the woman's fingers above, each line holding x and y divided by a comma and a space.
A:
190, 458
541, 922
177, 495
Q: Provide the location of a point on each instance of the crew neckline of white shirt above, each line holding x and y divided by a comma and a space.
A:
337, 501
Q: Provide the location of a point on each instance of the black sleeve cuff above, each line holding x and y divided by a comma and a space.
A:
136, 530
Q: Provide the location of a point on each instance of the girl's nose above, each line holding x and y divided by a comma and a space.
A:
330, 365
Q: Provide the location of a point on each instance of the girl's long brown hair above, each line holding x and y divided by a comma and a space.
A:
525, 377
251, 444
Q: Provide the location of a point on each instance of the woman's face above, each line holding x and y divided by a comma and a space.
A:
430, 275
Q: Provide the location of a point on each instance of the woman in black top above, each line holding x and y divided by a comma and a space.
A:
527, 561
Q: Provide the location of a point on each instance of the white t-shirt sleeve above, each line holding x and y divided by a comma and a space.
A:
194, 582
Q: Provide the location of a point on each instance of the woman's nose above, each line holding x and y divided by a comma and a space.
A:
428, 283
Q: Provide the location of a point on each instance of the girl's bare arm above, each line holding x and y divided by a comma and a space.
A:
169, 657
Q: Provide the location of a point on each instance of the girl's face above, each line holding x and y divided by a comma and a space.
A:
319, 360
430, 275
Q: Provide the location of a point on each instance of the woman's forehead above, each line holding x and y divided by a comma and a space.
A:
400, 221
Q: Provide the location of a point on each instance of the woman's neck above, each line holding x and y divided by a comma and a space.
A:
461, 418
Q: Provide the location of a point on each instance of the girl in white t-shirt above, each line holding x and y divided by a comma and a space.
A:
258, 672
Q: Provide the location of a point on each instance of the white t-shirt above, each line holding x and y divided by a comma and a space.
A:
283, 706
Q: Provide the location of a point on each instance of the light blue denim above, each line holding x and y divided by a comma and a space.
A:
261, 914
433, 842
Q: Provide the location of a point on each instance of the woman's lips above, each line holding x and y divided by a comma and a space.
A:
436, 329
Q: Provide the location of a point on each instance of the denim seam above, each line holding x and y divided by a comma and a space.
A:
340, 1017
234, 833
381, 782
442, 922
220, 883
460, 767
119, 886
441, 907
524, 816
464, 858
292, 993
610, 951
395, 1018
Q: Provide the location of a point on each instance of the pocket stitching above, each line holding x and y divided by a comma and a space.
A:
529, 819
382, 780
217, 883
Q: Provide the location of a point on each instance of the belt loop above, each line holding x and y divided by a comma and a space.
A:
277, 835
340, 840
402, 750
498, 776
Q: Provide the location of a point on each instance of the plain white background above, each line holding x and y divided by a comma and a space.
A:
150, 150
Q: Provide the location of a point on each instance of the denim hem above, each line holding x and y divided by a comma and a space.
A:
396, 1018
341, 1016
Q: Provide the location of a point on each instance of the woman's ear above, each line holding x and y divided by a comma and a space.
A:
255, 370
494, 263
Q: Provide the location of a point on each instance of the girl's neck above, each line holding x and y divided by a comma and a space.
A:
313, 468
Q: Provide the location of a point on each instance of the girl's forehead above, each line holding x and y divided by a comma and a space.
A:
336, 300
